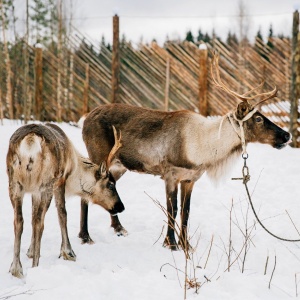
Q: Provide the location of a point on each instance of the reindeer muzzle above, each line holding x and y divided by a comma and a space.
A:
284, 139
118, 208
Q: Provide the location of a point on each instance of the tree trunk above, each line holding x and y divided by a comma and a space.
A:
295, 92
9, 98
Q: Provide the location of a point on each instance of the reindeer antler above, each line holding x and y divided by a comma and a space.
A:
115, 148
254, 89
219, 83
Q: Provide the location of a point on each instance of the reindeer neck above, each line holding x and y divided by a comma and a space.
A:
224, 147
224, 139
82, 170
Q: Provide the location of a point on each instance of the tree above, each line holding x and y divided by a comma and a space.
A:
270, 44
260, 47
231, 39
39, 14
206, 38
123, 41
259, 35
243, 23
189, 37
45, 20
5, 6
200, 36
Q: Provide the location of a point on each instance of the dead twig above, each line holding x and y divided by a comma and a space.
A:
266, 265
162, 230
292, 222
211, 243
28, 292
272, 273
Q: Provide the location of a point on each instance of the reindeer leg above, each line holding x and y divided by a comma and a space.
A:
84, 233
40, 203
30, 250
31, 247
117, 226
186, 191
46, 197
16, 194
171, 191
66, 250
117, 171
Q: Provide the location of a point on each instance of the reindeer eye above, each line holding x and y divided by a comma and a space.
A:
258, 119
110, 186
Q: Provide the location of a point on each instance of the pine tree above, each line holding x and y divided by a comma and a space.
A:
102, 43
259, 36
260, 47
189, 37
123, 41
6, 7
200, 36
270, 44
231, 39
38, 16
206, 38
53, 18
44, 21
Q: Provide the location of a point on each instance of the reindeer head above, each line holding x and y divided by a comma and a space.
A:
101, 189
256, 126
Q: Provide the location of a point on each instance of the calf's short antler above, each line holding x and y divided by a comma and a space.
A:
115, 148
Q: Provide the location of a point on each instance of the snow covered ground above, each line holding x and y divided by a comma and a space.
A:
137, 266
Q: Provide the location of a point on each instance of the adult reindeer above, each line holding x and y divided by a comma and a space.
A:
41, 160
179, 146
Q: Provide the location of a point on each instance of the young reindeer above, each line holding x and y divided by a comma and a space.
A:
41, 160
179, 146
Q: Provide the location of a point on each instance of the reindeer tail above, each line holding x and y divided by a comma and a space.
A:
30, 147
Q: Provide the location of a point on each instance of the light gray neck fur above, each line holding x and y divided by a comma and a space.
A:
223, 150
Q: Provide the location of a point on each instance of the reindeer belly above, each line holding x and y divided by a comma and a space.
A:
141, 165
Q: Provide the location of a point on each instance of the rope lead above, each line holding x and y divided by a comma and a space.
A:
245, 179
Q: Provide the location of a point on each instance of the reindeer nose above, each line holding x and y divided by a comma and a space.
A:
118, 208
287, 136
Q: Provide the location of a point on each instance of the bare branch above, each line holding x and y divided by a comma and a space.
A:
272, 273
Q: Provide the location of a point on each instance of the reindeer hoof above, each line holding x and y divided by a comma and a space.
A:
121, 231
68, 255
29, 253
85, 238
16, 270
171, 244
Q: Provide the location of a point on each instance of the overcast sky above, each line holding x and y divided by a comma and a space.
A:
159, 18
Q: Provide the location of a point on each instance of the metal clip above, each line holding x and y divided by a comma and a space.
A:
245, 171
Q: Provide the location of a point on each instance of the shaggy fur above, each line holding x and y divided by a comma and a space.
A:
42, 161
179, 146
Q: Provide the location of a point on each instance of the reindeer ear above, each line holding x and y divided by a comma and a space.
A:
242, 110
102, 171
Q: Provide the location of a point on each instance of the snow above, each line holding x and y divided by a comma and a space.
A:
137, 266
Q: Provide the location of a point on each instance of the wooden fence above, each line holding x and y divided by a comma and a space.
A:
175, 76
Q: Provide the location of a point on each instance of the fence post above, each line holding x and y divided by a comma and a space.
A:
38, 81
167, 83
203, 105
86, 89
295, 88
115, 61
